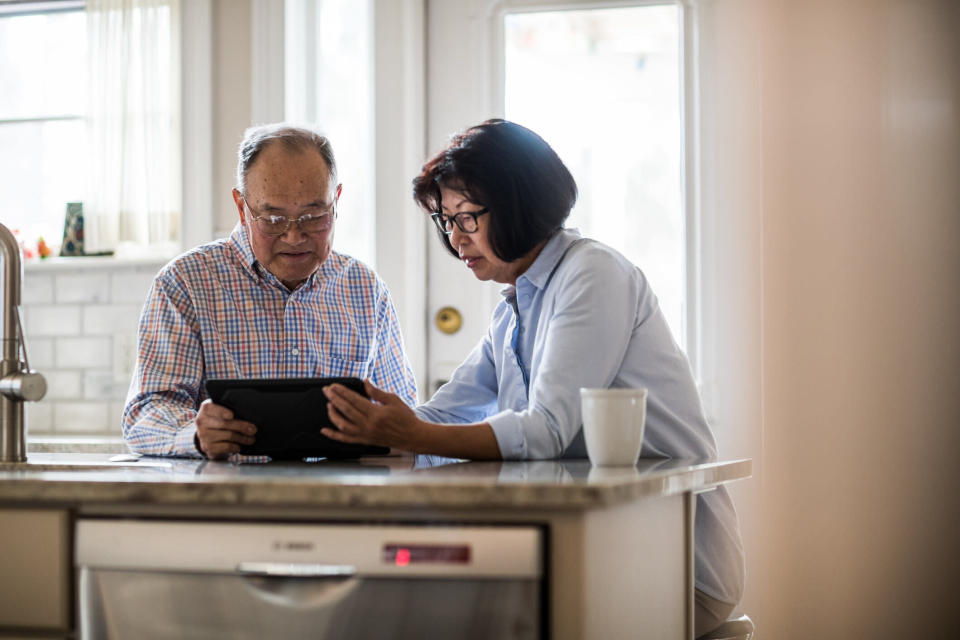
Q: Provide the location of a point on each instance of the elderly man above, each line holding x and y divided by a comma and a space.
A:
271, 301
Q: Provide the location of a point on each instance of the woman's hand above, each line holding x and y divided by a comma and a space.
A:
386, 421
218, 434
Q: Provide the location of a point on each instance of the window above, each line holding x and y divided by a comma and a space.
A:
90, 112
42, 126
603, 86
328, 84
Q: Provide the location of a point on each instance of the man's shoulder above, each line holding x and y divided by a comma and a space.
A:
350, 269
198, 261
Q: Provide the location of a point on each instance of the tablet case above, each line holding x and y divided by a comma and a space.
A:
289, 413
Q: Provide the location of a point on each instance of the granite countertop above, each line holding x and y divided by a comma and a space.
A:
389, 481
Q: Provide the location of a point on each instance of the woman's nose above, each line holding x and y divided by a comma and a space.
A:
457, 237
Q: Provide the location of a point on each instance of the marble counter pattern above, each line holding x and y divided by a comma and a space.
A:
391, 481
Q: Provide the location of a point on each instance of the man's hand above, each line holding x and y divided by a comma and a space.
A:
218, 434
387, 421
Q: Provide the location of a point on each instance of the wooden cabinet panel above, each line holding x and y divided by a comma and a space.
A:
35, 565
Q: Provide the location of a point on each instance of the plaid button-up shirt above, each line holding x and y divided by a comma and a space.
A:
215, 312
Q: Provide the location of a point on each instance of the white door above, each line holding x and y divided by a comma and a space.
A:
602, 83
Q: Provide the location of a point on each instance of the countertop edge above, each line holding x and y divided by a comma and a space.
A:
118, 486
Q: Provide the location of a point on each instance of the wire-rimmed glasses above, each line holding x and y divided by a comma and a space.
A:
313, 220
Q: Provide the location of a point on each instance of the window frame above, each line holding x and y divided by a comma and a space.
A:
690, 127
196, 77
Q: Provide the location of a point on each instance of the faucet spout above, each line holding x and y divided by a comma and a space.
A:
11, 275
17, 382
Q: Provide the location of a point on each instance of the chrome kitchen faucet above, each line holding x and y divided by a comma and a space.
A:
17, 382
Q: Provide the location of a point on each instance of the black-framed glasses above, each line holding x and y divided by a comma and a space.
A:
466, 221
314, 219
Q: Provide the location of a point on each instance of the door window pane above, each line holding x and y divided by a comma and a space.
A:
602, 86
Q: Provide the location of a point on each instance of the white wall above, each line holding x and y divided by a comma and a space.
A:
836, 129
731, 164
232, 103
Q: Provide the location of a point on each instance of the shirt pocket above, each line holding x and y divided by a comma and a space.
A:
329, 367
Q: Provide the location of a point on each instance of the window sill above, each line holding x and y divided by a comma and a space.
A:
47, 265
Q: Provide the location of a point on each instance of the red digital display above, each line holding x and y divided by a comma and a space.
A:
403, 555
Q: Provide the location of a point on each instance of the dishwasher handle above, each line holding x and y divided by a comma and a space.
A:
296, 570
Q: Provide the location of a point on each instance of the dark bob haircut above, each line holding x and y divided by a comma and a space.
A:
512, 172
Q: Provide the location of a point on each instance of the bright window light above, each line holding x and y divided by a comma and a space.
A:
42, 130
602, 86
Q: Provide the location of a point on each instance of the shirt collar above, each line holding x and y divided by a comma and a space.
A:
539, 272
241, 243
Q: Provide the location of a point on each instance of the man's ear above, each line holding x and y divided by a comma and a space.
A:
238, 199
339, 189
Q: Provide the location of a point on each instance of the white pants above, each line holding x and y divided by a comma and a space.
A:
708, 613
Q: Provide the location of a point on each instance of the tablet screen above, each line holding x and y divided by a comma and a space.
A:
289, 413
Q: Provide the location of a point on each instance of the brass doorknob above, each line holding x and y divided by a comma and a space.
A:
448, 320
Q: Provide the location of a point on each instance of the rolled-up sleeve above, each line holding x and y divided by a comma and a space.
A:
471, 393
161, 409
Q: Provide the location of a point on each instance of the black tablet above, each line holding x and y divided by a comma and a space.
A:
289, 413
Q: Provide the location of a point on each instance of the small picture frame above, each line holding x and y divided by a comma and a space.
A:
73, 230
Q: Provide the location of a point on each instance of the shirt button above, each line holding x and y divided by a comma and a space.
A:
295, 351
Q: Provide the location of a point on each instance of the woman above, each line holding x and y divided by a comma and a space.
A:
575, 314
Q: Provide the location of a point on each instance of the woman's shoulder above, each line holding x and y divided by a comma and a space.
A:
586, 255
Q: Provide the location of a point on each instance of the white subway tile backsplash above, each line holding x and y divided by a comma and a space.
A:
130, 287
116, 413
40, 351
86, 417
124, 356
82, 287
81, 322
82, 352
52, 320
108, 319
100, 385
64, 385
38, 416
37, 289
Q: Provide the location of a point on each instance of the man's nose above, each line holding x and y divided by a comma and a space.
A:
293, 234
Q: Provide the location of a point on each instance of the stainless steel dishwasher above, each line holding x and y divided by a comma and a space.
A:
185, 579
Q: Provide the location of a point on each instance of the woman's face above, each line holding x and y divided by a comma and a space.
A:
474, 248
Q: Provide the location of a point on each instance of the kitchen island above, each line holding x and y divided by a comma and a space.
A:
616, 542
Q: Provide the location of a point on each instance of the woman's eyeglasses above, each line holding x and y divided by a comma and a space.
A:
313, 220
466, 221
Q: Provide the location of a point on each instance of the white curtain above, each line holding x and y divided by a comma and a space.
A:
133, 54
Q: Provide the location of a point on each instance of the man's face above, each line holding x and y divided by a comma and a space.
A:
288, 183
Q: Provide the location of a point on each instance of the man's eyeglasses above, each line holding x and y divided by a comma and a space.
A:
466, 221
312, 220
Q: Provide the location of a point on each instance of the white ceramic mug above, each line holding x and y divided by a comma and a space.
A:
613, 421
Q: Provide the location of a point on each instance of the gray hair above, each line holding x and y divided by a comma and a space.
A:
255, 139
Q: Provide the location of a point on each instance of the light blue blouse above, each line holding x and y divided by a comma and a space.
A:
583, 315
